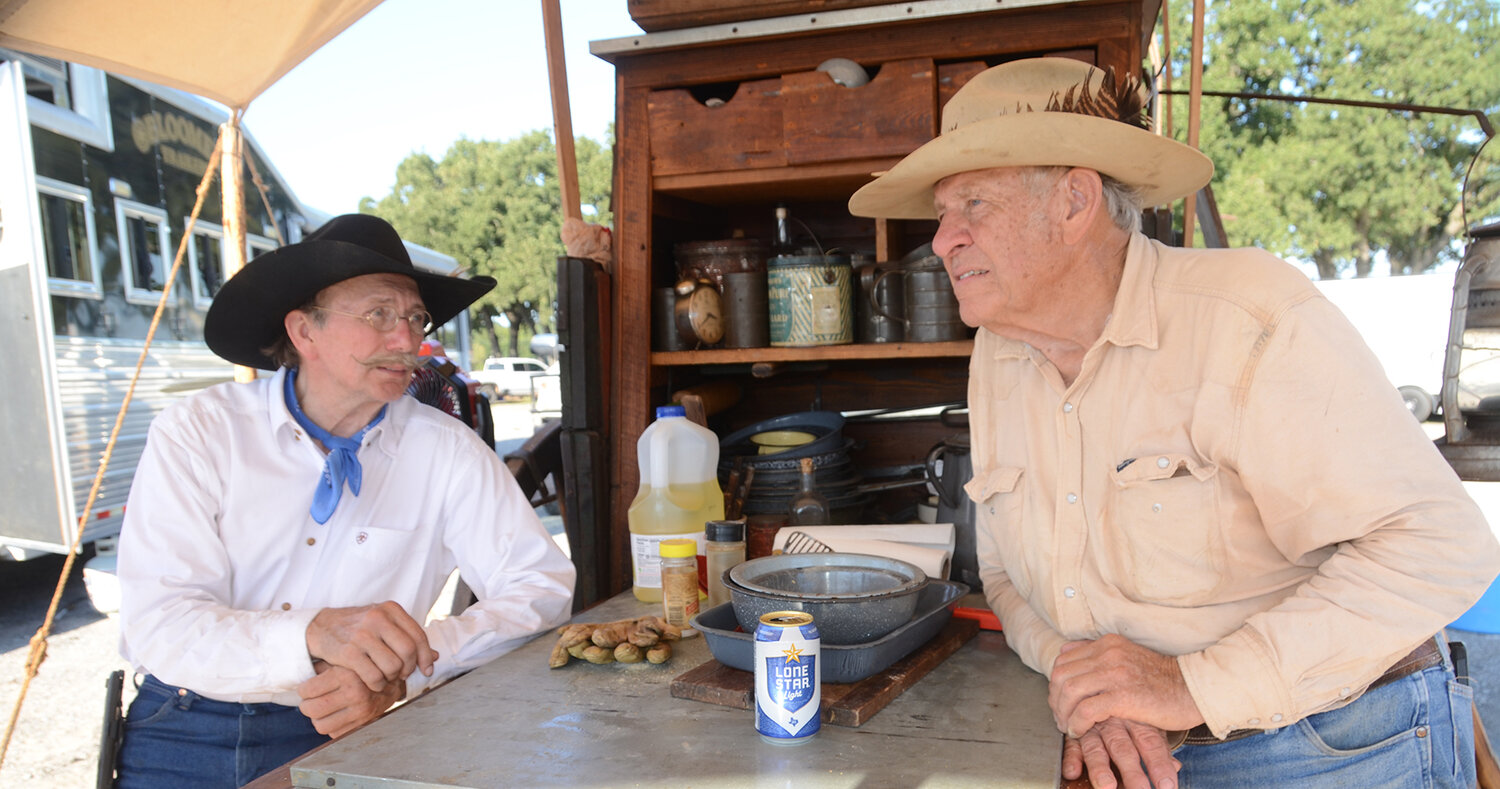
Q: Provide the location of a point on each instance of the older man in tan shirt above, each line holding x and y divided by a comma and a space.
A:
1203, 511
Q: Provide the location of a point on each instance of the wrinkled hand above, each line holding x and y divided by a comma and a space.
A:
380, 643
1129, 745
338, 702
1093, 681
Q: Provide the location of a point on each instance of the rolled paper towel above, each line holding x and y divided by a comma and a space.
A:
933, 561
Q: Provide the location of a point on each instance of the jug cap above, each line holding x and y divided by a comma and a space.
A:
663, 411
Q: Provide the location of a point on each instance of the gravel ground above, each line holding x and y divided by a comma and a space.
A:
55, 743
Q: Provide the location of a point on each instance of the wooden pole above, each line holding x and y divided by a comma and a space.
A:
1166, 72
1195, 102
232, 192
562, 120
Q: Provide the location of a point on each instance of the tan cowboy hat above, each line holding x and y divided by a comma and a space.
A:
1032, 113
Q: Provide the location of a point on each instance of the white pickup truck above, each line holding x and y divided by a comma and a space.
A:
505, 376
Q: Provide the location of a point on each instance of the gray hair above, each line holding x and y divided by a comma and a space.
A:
1121, 200
282, 351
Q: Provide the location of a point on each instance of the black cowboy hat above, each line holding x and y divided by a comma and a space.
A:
247, 312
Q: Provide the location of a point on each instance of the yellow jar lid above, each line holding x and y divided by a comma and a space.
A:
678, 549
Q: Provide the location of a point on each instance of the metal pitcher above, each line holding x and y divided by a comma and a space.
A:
949, 468
931, 309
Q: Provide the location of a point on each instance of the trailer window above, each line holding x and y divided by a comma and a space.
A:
68, 238
66, 98
206, 261
145, 251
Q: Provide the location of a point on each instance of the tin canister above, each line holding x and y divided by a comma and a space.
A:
811, 300
788, 680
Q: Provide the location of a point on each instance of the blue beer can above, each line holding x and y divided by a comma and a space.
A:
788, 683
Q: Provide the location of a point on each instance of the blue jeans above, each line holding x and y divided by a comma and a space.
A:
1414, 733
176, 738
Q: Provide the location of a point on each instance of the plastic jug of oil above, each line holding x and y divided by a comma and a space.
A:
679, 493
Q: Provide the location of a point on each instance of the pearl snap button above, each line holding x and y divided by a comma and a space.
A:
1276, 718
1067, 408
1343, 691
1068, 592
1162, 462
1072, 498
1254, 721
1156, 507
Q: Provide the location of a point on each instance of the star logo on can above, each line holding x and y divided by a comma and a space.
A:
793, 654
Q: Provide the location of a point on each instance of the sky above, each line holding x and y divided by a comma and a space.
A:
415, 76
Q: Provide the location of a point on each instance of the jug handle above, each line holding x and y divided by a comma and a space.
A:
932, 477
659, 464
875, 305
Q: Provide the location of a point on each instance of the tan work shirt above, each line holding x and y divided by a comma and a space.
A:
1231, 479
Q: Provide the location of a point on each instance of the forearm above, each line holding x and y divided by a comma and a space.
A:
1031, 638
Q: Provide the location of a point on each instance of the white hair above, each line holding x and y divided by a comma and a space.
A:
1121, 200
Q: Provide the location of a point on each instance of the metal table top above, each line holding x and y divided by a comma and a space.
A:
980, 718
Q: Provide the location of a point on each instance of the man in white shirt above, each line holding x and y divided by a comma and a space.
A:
283, 536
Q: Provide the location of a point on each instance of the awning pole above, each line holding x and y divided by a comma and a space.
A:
562, 120
1195, 101
232, 177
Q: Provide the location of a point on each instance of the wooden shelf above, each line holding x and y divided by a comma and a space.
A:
819, 353
828, 181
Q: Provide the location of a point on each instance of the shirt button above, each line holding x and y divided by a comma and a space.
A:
1067, 408
286, 606
992, 510
1162, 462
1156, 507
1069, 592
1343, 691
311, 541
1072, 498
1276, 718
1254, 721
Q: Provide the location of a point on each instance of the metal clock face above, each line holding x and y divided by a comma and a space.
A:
699, 313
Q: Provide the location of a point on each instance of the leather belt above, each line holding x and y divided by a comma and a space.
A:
1425, 656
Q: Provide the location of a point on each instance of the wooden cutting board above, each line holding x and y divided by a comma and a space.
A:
844, 704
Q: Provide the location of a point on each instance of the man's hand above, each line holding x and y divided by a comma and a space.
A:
1093, 681
380, 643
338, 702
1129, 745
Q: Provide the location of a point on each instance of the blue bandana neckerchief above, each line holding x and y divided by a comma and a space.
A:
342, 463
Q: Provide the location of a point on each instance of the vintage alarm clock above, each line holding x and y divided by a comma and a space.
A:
699, 312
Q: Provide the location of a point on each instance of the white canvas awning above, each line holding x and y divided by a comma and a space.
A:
226, 50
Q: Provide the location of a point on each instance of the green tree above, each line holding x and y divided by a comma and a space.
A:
1338, 185
495, 207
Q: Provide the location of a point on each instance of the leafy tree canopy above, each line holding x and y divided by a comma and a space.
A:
1338, 185
496, 208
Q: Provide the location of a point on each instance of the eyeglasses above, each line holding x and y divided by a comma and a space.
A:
383, 319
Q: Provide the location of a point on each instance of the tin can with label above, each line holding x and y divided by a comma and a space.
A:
811, 300
788, 682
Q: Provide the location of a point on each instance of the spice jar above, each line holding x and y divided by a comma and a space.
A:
725, 548
679, 581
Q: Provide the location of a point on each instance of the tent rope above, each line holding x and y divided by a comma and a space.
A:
265, 199
38, 643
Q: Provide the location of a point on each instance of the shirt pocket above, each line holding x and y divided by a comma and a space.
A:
375, 557
1162, 537
999, 529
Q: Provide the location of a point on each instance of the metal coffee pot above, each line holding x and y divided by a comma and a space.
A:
948, 469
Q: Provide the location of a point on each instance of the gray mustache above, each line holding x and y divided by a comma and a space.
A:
407, 360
